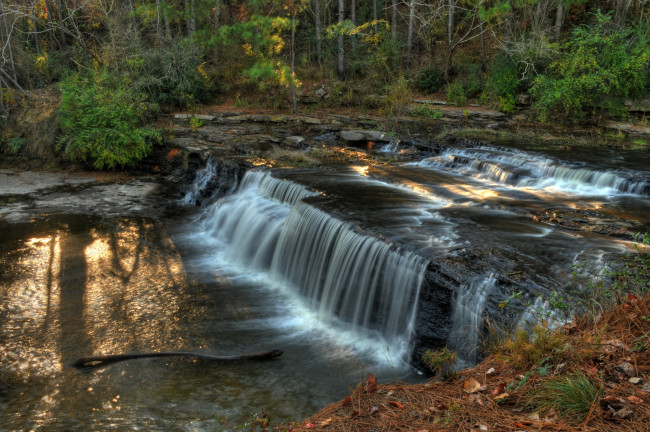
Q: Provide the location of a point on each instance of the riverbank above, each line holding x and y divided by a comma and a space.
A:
590, 375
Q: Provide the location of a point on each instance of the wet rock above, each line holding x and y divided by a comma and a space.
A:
362, 135
625, 368
294, 141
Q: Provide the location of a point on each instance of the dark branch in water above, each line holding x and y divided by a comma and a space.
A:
99, 361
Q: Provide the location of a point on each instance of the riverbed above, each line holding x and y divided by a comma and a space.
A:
331, 265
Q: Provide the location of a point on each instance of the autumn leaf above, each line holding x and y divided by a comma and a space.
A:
635, 400
471, 386
309, 425
396, 404
347, 401
371, 386
373, 410
501, 388
501, 396
325, 422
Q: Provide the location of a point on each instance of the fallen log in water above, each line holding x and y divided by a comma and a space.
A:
99, 361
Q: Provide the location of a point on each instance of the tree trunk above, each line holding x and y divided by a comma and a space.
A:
450, 38
374, 15
393, 22
32, 12
217, 13
168, 27
483, 53
620, 11
134, 20
294, 102
559, 16
159, 30
6, 44
61, 24
319, 32
341, 54
409, 35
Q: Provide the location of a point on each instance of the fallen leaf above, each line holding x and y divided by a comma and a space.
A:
390, 393
476, 398
635, 400
373, 410
635, 380
396, 404
501, 396
309, 425
371, 386
471, 386
501, 388
325, 422
632, 299
347, 401
483, 427
490, 371
519, 425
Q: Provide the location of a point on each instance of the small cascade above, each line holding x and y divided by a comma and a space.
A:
520, 169
391, 147
208, 183
342, 275
467, 318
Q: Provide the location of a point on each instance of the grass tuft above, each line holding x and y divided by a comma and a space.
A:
571, 396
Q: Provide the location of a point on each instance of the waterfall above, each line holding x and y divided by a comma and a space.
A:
209, 182
468, 311
342, 275
520, 169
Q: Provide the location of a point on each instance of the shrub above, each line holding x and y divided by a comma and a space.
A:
427, 112
597, 68
440, 360
430, 80
101, 120
171, 75
456, 94
503, 83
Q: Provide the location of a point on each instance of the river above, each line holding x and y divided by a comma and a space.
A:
328, 265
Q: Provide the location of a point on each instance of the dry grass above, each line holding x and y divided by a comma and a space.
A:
609, 351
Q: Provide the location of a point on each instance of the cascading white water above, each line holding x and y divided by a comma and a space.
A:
341, 274
468, 311
202, 181
522, 169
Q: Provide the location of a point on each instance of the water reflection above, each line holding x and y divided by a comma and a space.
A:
82, 291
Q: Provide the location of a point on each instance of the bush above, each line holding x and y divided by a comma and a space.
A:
597, 68
430, 80
101, 120
503, 83
456, 94
171, 75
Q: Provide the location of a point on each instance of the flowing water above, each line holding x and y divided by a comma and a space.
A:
325, 264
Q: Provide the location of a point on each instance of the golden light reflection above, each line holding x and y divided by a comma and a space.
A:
362, 170
137, 291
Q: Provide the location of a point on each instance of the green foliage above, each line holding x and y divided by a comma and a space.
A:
195, 122
427, 112
524, 349
571, 396
439, 360
456, 94
503, 83
597, 68
101, 120
430, 80
170, 75
14, 144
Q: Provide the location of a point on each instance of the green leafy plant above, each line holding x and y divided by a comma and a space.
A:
430, 80
440, 360
503, 83
427, 112
195, 122
456, 94
15, 144
101, 120
597, 68
571, 396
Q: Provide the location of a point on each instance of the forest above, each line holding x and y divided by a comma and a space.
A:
118, 64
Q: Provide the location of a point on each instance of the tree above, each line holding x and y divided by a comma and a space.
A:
341, 49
